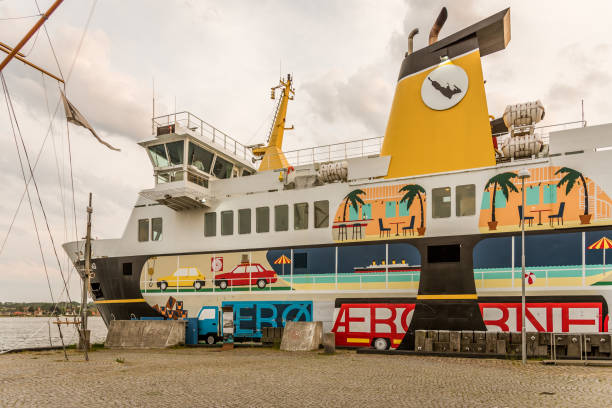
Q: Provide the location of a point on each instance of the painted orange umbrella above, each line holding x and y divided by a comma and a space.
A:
604, 243
282, 260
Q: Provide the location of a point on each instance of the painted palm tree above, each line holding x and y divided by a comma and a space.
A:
354, 198
570, 178
503, 181
412, 191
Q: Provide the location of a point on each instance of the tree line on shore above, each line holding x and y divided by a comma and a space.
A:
44, 308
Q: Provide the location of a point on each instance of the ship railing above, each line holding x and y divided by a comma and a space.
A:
288, 282
579, 275
203, 130
330, 152
543, 132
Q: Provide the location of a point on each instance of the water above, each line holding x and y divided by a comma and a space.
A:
23, 332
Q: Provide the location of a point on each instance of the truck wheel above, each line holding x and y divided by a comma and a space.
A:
197, 285
380, 343
261, 283
210, 339
163, 286
223, 284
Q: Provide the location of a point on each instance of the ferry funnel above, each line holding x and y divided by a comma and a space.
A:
439, 120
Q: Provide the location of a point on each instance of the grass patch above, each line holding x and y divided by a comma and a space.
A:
120, 360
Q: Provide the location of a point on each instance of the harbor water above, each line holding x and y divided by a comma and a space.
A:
26, 332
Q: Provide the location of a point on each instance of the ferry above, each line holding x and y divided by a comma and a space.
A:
440, 195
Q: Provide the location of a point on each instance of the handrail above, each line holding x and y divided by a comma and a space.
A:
204, 131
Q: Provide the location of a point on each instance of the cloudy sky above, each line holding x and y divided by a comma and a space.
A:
218, 59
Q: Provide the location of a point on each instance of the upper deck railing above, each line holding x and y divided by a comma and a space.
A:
204, 131
318, 154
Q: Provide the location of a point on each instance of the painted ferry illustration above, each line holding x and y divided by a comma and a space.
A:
383, 236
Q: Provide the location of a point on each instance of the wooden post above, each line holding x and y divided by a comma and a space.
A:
84, 332
30, 33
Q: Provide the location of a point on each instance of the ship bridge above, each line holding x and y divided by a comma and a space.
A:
187, 153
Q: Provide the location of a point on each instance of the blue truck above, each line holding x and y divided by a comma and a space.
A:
250, 318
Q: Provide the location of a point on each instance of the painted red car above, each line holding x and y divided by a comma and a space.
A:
246, 274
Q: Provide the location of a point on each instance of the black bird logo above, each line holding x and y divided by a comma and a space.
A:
445, 90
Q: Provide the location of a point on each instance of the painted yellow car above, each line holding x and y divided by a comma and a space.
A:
183, 277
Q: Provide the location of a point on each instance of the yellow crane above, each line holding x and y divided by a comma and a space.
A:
272, 156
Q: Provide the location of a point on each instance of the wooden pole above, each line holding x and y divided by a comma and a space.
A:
85, 277
5, 48
30, 33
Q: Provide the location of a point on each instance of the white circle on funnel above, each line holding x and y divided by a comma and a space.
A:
444, 87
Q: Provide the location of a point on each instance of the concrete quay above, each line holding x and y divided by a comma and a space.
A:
266, 377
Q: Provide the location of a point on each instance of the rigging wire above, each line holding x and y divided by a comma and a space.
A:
12, 109
51, 45
42, 256
20, 18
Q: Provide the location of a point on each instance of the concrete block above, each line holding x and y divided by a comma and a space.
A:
491, 340
419, 340
455, 341
428, 345
467, 337
505, 336
302, 336
329, 343
432, 334
443, 336
515, 338
598, 343
500, 346
145, 333
480, 337
441, 346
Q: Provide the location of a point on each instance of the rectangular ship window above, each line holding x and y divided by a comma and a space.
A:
175, 152
262, 219
441, 202
300, 260
199, 158
222, 168
143, 230
227, 222
156, 229
281, 217
321, 214
158, 155
244, 221
210, 224
127, 269
443, 253
465, 199
300, 216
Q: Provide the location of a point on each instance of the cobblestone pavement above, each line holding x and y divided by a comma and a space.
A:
258, 377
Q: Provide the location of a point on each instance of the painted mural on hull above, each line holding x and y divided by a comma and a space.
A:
381, 213
555, 197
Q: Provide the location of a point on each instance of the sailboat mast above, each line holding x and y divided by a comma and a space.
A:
30, 33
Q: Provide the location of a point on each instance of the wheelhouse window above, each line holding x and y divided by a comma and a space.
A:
227, 222
158, 155
441, 202
244, 221
300, 216
222, 168
175, 152
262, 219
210, 224
199, 158
281, 218
156, 229
465, 199
321, 214
143, 230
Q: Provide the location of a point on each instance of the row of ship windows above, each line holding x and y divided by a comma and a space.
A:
465, 199
262, 219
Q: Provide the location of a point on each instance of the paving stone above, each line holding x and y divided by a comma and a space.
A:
256, 377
